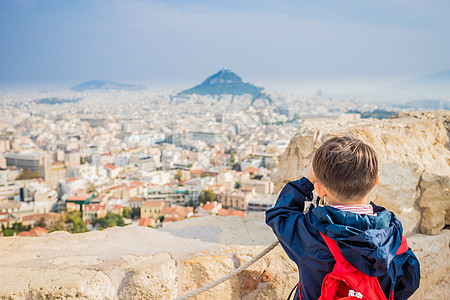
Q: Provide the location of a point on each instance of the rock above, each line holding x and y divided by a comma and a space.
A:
46, 282
143, 274
117, 263
433, 253
199, 271
272, 277
142, 263
414, 164
435, 200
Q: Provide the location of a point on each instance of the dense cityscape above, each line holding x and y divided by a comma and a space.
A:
93, 158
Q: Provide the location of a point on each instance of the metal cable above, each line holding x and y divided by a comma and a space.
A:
229, 275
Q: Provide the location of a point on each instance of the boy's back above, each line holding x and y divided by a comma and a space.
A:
368, 237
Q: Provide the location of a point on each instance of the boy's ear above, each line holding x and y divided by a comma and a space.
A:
320, 189
378, 178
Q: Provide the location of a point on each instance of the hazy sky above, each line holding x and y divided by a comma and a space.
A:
284, 45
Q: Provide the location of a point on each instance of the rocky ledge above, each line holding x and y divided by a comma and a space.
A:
144, 263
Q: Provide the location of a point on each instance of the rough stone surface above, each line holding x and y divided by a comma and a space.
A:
144, 263
414, 163
433, 253
199, 271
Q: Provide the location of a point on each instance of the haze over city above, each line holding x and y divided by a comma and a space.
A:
293, 46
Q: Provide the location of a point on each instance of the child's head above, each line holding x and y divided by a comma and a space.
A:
346, 167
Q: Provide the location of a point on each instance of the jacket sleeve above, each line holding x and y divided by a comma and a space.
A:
408, 276
283, 218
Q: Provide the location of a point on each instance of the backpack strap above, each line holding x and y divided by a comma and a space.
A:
334, 249
403, 247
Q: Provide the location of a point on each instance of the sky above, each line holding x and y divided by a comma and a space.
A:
293, 46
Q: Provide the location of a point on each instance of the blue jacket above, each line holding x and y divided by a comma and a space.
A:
368, 242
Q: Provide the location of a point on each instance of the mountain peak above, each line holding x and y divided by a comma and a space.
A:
223, 82
223, 76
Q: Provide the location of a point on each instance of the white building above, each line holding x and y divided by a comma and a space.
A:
130, 126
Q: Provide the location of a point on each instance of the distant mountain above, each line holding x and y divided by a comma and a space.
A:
105, 85
435, 84
52, 101
223, 82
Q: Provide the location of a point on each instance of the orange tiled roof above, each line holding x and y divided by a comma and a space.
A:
152, 203
197, 171
94, 207
109, 166
145, 222
136, 199
38, 229
24, 233
71, 179
231, 212
171, 219
176, 210
250, 169
78, 197
207, 206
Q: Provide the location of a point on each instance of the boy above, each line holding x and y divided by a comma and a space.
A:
344, 171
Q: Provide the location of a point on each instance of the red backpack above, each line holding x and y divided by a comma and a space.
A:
347, 282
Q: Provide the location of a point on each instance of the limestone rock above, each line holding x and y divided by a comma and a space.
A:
152, 277
199, 271
45, 282
435, 200
272, 277
414, 164
433, 253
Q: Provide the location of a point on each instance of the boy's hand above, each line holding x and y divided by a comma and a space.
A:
312, 176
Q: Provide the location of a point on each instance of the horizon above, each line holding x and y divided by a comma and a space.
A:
296, 47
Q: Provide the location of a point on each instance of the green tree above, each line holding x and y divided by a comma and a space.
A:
206, 196
16, 228
178, 175
90, 187
57, 226
41, 223
126, 213
237, 185
110, 220
232, 158
75, 219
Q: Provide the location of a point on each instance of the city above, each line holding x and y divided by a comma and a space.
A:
106, 157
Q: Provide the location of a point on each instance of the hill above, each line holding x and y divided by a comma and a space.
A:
223, 82
54, 100
105, 85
